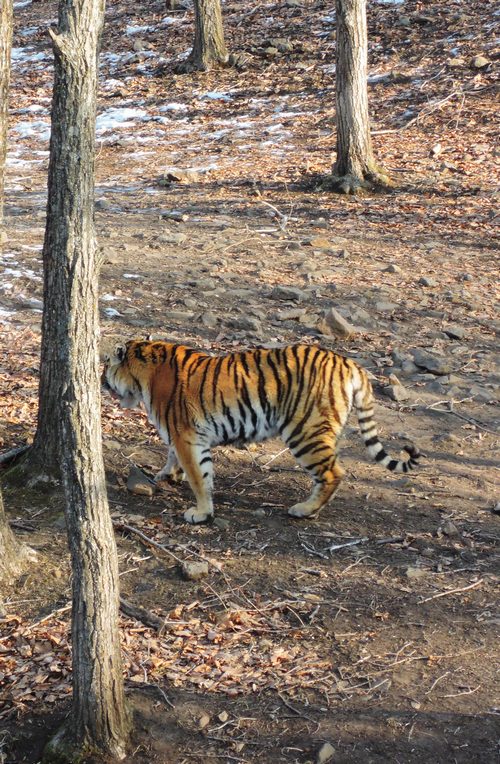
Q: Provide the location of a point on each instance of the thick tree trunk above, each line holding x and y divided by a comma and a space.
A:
355, 164
209, 48
99, 720
5, 48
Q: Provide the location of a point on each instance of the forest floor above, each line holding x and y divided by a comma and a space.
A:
374, 628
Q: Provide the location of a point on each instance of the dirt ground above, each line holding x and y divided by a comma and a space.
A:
373, 628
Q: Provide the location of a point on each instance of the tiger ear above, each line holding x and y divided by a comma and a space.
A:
120, 351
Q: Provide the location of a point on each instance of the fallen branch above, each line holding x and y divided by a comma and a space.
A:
141, 614
453, 591
12, 454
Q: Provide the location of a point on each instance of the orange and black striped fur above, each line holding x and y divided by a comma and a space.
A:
302, 393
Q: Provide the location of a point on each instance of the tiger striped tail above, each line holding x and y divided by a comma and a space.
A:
363, 403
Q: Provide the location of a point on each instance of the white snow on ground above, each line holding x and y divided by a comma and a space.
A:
119, 118
215, 95
28, 56
22, 4
111, 312
137, 30
173, 107
131, 276
38, 129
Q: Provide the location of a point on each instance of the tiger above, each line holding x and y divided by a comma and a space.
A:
302, 393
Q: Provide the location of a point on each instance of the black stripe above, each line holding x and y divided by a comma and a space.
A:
381, 455
279, 384
217, 370
372, 441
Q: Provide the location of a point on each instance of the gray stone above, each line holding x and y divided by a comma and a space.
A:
399, 356
392, 268
450, 529
397, 393
481, 393
209, 320
479, 62
193, 571
171, 237
408, 368
291, 314
271, 51
138, 483
325, 753
427, 282
245, 323
434, 363
334, 323
176, 174
415, 573
288, 293
179, 315
385, 306
455, 332
190, 303
281, 43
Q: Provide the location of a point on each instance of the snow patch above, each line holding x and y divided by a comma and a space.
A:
118, 118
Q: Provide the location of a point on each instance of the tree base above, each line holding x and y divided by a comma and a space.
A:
196, 64
375, 180
28, 471
61, 749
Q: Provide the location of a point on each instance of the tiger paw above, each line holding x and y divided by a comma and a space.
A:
303, 510
195, 516
170, 476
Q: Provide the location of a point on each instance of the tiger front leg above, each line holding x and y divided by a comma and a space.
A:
172, 471
196, 460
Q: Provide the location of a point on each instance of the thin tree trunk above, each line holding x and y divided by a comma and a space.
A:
355, 164
99, 720
209, 48
5, 48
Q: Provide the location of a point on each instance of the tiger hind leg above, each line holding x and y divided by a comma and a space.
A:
320, 461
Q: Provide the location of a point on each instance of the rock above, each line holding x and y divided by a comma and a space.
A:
325, 753
291, 314
427, 282
281, 44
179, 315
190, 303
209, 320
399, 356
139, 45
245, 323
415, 573
179, 217
391, 268
450, 529
385, 306
496, 508
177, 175
260, 513
138, 483
288, 293
171, 237
203, 721
446, 437
193, 571
271, 51
239, 60
334, 323
455, 63
434, 363
397, 393
481, 393
408, 368
294, 3
319, 242
455, 332
223, 716
479, 62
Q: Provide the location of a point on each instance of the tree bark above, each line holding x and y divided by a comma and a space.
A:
209, 48
5, 48
70, 331
355, 165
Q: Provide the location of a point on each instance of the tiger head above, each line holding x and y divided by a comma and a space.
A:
119, 376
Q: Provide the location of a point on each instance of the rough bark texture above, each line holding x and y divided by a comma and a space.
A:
5, 48
99, 720
355, 163
209, 48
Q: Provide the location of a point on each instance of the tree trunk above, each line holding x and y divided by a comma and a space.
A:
99, 720
355, 165
5, 48
209, 48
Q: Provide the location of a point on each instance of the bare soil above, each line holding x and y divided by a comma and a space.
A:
374, 627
